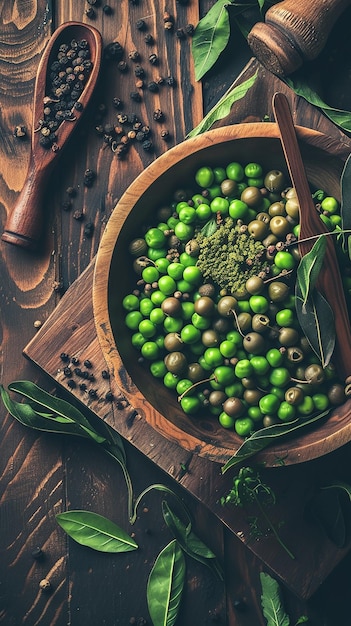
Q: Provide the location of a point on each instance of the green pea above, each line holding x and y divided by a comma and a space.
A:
320, 401
186, 259
175, 270
260, 365
157, 297
170, 380
243, 426
280, 377
155, 238
133, 319
130, 302
220, 205
203, 212
235, 171
189, 334
146, 306
188, 310
243, 369
284, 260
184, 232
167, 285
157, 316
269, 404
238, 209
306, 407
172, 324
274, 357
158, 369
183, 385
204, 176
225, 420
190, 404
147, 328
224, 375
213, 356
286, 412
187, 215
258, 304
150, 350
227, 348
138, 340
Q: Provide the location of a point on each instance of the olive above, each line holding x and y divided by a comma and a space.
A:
279, 226
248, 383
260, 323
221, 325
140, 263
173, 342
252, 396
226, 305
254, 285
278, 291
216, 398
207, 289
244, 322
164, 213
275, 181
252, 196
228, 187
314, 374
294, 395
270, 240
295, 354
257, 229
269, 420
336, 394
138, 247
277, 208
263, 217
234, 407
240, 293
288, 336
176, 362
192, 247
204, 306
210, 338
254, 343
292, 205
195, 372
172, 306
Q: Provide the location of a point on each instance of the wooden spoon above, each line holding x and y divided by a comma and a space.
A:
329, 281
24, 225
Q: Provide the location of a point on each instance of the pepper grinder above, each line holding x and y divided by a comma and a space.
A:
294, 32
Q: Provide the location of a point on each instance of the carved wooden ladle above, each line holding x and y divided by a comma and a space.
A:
24, 224
329, 280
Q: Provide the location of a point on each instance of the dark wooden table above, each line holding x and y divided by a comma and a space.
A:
43, 474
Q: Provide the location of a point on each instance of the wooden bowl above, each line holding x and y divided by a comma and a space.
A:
114, 278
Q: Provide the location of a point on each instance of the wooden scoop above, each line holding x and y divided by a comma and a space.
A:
24, 225
311, 225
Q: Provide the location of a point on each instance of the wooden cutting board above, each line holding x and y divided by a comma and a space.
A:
70, 329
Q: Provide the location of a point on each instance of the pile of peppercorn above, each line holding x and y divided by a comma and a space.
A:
68, 75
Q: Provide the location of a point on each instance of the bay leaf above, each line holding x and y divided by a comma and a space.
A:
165, 585
310, 266
267, 436
316, 319
210, 37
223, 106
95, 531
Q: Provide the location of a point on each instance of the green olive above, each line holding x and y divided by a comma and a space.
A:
295, 354
138, 247
257, 229
173, 342
252, 396
277, 208
288, 336
217, 397
275, 181
172, 306
254, 285
336, 394
244, 322
278, 291
260, 323
204, 306
207, 289
279, 226
195, 372
252, 196
210, 338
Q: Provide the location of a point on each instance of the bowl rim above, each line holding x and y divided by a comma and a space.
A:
339, 428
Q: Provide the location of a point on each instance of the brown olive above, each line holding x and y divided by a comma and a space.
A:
240, 293
234, 407
172, 306
336, 394
248, 383
228, 187
252, 196
288, 336
195, 372
292, 205
269, 420
192, 247
226, 305
279, 226
275, 181
138, 247
314, 374
254, 343
210, 338
252, 396
254, 285
244, 322
295, 354
260, 323
164, 213
204, 306
173, 342
257, 229
140, 263
207, 289
277, 208
294, 395
277, 291
216, 398
270, 240
176, 362
263, 217
222, 324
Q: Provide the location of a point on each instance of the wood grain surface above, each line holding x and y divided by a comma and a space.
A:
41, 474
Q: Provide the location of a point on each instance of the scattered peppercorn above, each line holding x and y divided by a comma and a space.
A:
94, 3
64, 357
92, 393
147, 145
37, 553
82, 386
71, 192
135, 96
134, 55
122, 66
153, 58
67, 371
109, 396
180, 33
105, 374
90, 13
189, 29
165, 134
20, 132
140, 24
149, 40
78, 214
71, 383
107, 9
170, 80
45, 585
158, 115
113, 51
139, 71
89, 177
88, 364
88, 230
153, 86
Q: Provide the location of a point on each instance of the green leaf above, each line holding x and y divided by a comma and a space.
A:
345, 207
27, 416
165, 585
310, 266
209, 228
316, 319
272, 603
62, 409
189, 542
337, 116
95, 531
210, 37
223, 106
267, 436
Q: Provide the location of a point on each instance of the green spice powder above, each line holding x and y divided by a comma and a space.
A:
229, 256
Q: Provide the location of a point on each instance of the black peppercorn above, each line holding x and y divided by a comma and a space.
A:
89, 177
139, 71
71, 383
20, 132
152, 86
180, 33
105, 374
153, 58
109, 396
88, 230
134, 55
67, 371
94, 3
147, 145
158, 115
165, 134
78, 214
170, 80
78, 106
135, 96
75, 360
64, 357
149, 40
189, 29
92, 393
90, 13
122, 66
88, 364
82, 387
113, 51
37, 553
71, 192
107, 9
140, 24
117, 103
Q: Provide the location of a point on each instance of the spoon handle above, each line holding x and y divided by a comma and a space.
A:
329, 281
